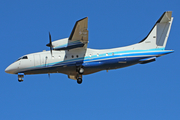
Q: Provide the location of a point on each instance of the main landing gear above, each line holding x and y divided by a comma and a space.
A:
79, 80
80, 71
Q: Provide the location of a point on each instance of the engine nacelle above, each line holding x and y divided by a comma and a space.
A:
66, 44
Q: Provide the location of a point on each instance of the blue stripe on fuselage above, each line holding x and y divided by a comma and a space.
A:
129, 55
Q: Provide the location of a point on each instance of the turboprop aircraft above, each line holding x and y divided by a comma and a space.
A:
71, 56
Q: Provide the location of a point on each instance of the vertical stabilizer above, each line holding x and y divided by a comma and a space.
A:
157, 38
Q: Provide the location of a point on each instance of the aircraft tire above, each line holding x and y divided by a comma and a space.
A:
20, 80
81, 71
79, 80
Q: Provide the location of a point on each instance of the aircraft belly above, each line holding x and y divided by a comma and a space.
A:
89, 67
92, 67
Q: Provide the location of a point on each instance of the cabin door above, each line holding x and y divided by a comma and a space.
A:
37, 60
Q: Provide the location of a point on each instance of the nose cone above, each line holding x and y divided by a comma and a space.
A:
8, 70
11, 68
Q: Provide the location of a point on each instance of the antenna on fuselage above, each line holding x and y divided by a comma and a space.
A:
50, 44
49, 75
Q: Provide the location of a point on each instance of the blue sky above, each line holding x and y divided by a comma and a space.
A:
142, 92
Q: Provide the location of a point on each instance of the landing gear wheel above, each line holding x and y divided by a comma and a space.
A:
81, 71
79, 80
20, 79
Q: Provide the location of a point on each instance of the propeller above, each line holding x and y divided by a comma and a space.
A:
50, 44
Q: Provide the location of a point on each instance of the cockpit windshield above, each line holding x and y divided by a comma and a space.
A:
24, 57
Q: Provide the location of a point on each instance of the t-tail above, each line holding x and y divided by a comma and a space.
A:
157, 37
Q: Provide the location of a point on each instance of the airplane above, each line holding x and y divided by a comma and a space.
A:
71, 56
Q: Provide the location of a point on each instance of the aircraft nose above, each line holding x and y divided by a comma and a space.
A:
11, 69
7, 70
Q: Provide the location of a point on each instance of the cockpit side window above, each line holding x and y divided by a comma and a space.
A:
24, 57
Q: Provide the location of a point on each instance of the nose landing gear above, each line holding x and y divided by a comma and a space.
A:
20, 77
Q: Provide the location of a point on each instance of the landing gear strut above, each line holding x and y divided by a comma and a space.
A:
20, 78
80, 71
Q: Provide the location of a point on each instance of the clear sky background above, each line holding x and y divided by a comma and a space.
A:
140, 92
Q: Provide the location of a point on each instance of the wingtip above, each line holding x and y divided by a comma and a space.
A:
82, 19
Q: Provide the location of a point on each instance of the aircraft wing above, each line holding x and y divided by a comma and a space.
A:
80, 31
77, 39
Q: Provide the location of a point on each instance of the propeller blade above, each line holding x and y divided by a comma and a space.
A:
50, 44
51, 50
50, 39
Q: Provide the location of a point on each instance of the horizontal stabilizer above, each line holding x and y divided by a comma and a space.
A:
147, 60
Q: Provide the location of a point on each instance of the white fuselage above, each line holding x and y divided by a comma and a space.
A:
65, 61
